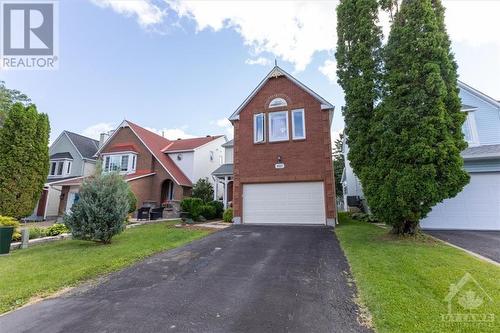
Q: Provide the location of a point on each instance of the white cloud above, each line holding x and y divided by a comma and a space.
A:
259, 61
295, 31
145, 11
226, 125
329, 69
292, 30
171, 133
94, 131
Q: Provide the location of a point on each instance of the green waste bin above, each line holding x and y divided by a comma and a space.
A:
5, 239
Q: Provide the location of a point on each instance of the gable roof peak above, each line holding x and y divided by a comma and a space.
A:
275, 72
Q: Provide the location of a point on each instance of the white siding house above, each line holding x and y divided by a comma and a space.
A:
477, 207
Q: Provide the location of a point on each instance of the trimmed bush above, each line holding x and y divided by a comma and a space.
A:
102, 209
11, 222
193, 206
219, 208
37, 232
132, 201
57, 229
203, 189
228, 215
208, 212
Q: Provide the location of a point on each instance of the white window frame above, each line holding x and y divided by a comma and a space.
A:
282, 103
470, 123
255, 140
63, 164
294, 137
131, 162
271, 114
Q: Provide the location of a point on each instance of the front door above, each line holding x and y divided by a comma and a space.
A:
72, 199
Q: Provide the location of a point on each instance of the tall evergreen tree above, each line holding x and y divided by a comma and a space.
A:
338, 165
8, 97
24, 159
417, 127
359, 66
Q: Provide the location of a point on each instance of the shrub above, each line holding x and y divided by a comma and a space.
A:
132, 201
219, 208
364, 217
11, 222
228, 215
57, 229
102, 209
203, 189
37, 232
193, 207
208, 212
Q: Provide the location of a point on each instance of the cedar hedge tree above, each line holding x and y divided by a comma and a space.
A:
406, 152
24, 159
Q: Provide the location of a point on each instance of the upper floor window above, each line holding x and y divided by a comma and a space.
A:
278, 126
298, 124
258, 128
470, 130
211, 156
59, 168
277, 102
123, 163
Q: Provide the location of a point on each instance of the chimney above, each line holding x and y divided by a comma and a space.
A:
104, 137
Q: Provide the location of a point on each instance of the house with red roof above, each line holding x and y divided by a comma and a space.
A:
161, 172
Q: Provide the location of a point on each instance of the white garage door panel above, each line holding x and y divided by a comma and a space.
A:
287, 203
477, 207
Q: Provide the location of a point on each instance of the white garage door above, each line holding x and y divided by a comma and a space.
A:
477, 207
285, 203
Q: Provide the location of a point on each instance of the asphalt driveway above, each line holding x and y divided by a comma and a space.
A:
485, 243
242, 279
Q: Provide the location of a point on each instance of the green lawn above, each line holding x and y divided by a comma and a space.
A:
404, 282
43, 269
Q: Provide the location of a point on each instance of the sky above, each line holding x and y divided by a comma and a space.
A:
182, 67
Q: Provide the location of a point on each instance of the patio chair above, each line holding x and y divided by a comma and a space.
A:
156, 213
143, 213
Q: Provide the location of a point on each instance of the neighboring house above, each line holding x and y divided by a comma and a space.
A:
160, 172
282, 170
71, 157
477, 207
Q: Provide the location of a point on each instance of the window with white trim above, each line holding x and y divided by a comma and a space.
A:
298, 124
60, 168
259, 128
278, 126
123, 163
470, 130
277, 102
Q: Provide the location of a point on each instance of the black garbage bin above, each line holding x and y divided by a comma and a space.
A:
5, 239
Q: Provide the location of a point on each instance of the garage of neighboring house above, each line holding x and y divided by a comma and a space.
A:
477, 207
284, 203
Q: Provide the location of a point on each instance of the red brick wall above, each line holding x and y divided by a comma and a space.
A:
305, 160
146, 188
125, 136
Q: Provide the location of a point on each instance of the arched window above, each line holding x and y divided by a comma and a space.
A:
277, 102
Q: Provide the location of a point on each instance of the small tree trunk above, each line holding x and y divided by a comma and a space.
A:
405, 228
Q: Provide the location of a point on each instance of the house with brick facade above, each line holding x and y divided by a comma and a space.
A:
282, 169
160, 172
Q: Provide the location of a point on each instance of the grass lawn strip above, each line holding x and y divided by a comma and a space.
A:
404, 282
41, 270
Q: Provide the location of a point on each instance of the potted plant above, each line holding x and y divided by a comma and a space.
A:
8, 230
